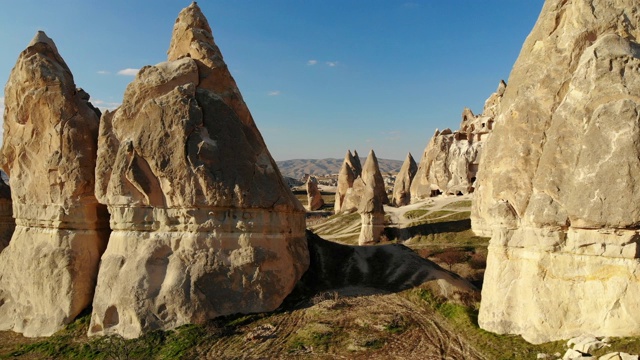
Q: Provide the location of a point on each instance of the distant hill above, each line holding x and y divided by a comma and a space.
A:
296, 168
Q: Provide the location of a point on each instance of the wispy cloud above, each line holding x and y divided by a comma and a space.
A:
103, 72
274, 93
312, 62
128, 72
104, 105
393, 135
1, 105
332, 63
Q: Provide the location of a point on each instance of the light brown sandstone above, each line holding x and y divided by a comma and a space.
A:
371, 207
450, 161
402, 186
314, 197
203, 223
48, 271
557, 188
346, 177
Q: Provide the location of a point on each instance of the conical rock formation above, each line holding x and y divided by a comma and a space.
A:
49, 269
558, 188
314, 197
203, 223
371, 207
346, 177
402, 186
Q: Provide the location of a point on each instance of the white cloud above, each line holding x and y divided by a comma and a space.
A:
128, 72
104, 105
312, 62
332, 63
393, 135
274, 93
2, 104
103, 72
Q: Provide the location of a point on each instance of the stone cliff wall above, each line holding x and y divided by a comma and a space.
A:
557, 188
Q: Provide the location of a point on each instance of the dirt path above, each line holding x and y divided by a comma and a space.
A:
383, 326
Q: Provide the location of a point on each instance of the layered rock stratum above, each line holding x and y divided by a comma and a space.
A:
450, 161
558, 184
48, 271
203, 223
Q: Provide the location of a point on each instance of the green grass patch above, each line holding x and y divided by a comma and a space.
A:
415, 214
459, 204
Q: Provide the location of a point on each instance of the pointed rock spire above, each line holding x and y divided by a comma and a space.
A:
49, 269
373, 177
356, 166
183, 167
402, 186
346, 178
314, 197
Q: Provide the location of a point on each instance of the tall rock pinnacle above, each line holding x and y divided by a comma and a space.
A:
402, 185
49, 269
203, 222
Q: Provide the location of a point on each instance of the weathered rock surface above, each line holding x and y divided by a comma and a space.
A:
346, 177
402, 186
48, 271
203, 223
7, 223
371, 207
557, 187
450, 161
314, 197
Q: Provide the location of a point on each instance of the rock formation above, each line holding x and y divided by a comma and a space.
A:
371, 207
203, 223
450, 161
349, 171
48, 271
557, 187
402, 186
7, 223
354, 163
314, 197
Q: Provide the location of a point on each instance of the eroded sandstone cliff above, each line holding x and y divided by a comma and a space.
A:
558, 186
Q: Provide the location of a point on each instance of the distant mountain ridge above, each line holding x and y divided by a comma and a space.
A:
296, 168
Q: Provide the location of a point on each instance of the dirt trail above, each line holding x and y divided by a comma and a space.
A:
383, 326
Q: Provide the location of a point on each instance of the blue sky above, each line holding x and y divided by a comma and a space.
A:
320, 76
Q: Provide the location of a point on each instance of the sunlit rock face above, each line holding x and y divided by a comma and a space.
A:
349, 172
402, 186
203, 223
48, 271
371, 207
558, 186
314, 197
450, 162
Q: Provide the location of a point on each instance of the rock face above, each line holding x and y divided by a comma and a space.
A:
450, 161
371, 207
48, 271
314, 197
7, 223
203, 223
557, 188
349, 171
402, 186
